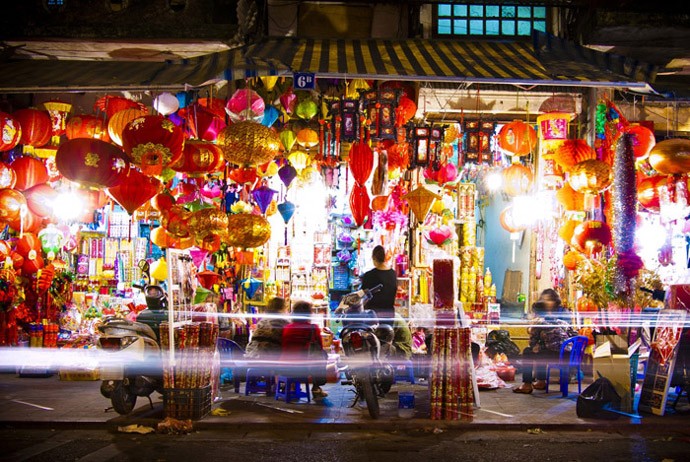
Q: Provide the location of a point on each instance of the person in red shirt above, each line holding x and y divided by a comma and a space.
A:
301, 342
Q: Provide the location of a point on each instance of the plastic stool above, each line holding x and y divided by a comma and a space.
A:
290, 388
404, 371
259, 380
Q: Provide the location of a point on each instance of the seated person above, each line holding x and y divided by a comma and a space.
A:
548, 332
299, 338
266, 340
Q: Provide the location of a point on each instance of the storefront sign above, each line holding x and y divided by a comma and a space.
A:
304, 80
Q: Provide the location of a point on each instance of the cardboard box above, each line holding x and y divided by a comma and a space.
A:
79, 374
620, 369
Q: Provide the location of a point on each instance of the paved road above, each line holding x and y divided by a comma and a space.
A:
423, 445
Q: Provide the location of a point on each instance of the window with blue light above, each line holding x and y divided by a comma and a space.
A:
489, 21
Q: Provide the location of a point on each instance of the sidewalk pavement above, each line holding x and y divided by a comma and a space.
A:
50, 403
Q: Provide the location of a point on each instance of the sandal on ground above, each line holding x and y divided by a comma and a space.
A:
318, 393
539, 385
524, 388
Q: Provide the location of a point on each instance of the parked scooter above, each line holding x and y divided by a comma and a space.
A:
135, 368
361, 340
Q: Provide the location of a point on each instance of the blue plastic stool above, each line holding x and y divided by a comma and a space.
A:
290, 388
259, 380
404, 371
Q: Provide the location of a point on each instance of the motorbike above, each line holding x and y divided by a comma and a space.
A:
133, 367
363, 341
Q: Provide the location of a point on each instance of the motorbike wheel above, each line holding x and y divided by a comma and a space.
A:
370, 398
107, 387
123, 399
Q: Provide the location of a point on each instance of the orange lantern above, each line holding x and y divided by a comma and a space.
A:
586, 305
207, 221
153, 143
29, 247
508, 221
40, 199
405, 111
570, 199
567, 229
90, 162
11, 204
28, 222
86, 126
199, 158
572, 152
307, 138
163, 201
29, 171
134, 190
591, 237
671, 157
176, 221
242, 175
36, 127
249, 143
642, 140
359, 203
161, 237
571, 259
517, 138
118, 122
7, 176
517, 180
380, 203
420, 200
247, 230
648, 191
10, 132
591, 176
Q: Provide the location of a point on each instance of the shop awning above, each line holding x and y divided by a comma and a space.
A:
565, 60
442, 61
37, 75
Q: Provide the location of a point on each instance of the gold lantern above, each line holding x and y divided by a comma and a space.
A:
249, 143
420, 200
590, 176
247, 230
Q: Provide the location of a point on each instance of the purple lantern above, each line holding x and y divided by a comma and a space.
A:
263, 195
287, 173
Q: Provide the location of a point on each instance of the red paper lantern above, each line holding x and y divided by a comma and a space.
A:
8, 177
518, 138
28, 223
163, 201
642, 140
134, 190
30, 172
517, 180
10, 132
359, 203
591, 237
405, 111
199, 158
11, 204
204, 123
113, 104
242, 175
87, 126
361, 161
648, 191
92, 163
36, 127
40, 199
153, 143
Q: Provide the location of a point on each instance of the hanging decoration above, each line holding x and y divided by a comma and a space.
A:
29, 172
426, 143
10, 132
133, 190
35, 128
642, 139
287, 173
359, 203
476, 140
286, 210
361, 161
379, 108
8, 177
271, 116
609, 125
648, 191
249, 143
113, 104
118, 121
420, 200
91, 162
345, 115
87, 126
590, 176
153, 143
204, 123
199, 158
245, 104
247, 230
58, 112
517, 180
670, 157
306, 109
591, 237
207, 221
12, 202
517, 138
307, 138
287, 139
571, 152
166, 103
299, 160
263, 195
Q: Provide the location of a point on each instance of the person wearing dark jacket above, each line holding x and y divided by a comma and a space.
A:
383, 301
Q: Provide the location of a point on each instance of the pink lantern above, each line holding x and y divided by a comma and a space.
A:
245, 104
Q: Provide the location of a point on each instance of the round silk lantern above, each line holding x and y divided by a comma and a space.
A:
648, 191
287, 139
133, 190
361, 161
572, 152
247, 230
306, 109
111, 105
176, 221
11, 204
40, 199
359, 203
199, 158
307, 138
591, 176
586, 305
163, 201
153, 143
10, 132
207, 221
118, 122
591, 237
87, 126
671, 157
288, 101
642, 140
245, 104
29, 171
517, 180
8, 177
517, 138
90, 162
249, 143
36, 127
271, 115
509, 222
166, 103
267, 170
286, 210
243, 175
405, 111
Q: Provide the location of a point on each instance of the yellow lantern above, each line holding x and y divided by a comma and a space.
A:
299, 160
420, 200
590, 176
247, 230
207, 221
159, 270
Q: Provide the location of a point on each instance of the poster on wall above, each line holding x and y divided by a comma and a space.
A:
662, 358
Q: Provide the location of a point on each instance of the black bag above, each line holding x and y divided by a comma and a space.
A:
597, 396
498, 341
